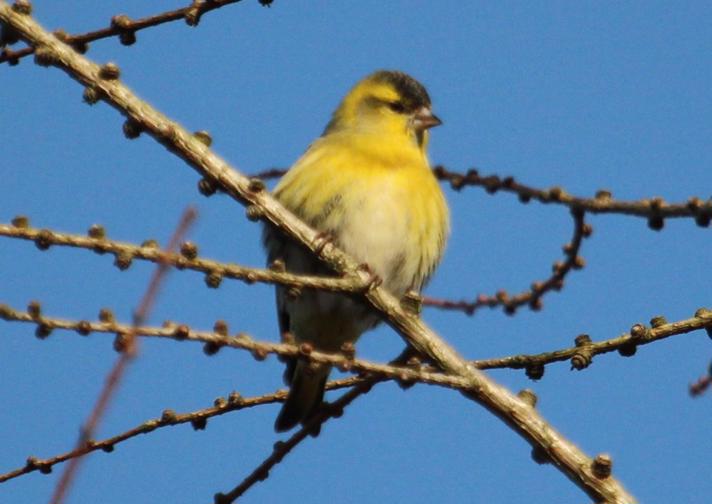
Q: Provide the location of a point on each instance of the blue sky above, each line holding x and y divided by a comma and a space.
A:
585, 95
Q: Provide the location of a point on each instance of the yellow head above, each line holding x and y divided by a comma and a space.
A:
386, 103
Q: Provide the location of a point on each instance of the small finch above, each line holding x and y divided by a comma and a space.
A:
366, 183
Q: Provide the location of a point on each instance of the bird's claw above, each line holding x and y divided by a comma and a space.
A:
323, 239
374, 279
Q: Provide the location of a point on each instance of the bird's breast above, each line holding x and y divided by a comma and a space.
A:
382, 205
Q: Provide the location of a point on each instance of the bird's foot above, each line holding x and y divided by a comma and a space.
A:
374, 279
323, 239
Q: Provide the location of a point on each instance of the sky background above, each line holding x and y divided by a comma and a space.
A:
585, 95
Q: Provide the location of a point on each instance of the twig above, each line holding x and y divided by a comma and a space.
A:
282, 448
700, 386
583, 351
625, 344
125, 28
129, 352
656, 210
538, 289
704, 382
103, 84
124, 253
219, 339
198, 419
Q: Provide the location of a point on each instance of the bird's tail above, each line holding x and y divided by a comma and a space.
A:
306, 393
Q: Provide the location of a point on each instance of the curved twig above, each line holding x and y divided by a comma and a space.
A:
531, 297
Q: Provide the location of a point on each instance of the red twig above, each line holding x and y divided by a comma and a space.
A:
127, 354
701, 385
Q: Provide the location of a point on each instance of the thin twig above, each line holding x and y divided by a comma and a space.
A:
656, 209
282, 448
661, 329
531, 297
198, 419
583, 351
703, 382
124, 253
626, 344
125, 28
219, 339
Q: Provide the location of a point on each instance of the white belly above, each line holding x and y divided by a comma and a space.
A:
375, 230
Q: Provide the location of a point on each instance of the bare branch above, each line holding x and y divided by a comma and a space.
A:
282, 448
538, 289
198, 419
219, 339
583, 351
656, 209
124, 253
580, 355
125, 28
312, 426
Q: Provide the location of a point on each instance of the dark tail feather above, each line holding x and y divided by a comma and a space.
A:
305, 396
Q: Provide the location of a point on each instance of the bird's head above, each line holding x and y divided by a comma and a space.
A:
386, 103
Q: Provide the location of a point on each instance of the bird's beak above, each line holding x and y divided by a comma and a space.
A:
425, 119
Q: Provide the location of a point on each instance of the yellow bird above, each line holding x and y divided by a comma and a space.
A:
366, 183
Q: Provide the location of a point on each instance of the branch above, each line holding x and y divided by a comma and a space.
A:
282, 448
125, 28
533, 296
198, 419
583, 351
218, 339
124, 253
656, 209
581, 354
103, 84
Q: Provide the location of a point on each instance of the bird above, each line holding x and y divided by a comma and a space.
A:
367, 186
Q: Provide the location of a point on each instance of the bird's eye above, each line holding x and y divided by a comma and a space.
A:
396, 107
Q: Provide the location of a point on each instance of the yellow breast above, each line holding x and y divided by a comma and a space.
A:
378, 198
